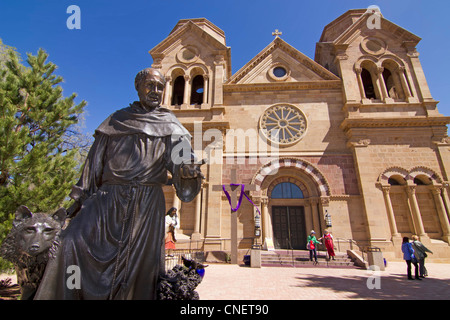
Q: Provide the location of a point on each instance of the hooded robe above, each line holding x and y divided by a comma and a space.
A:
117, 236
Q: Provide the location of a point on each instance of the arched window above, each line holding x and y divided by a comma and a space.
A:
393, 182
396, 180
178, 91
392, 75
286, 190
198, 84
422, 180
369, 88
390, 85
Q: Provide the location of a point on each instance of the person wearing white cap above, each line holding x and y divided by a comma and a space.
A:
311, 246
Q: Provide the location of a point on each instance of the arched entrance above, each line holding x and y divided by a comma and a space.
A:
288, 215
293, 195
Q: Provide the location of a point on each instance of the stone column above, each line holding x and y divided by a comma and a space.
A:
267, 231
384, 94
168, 92
445, 198
176, 201
390, 211
219, 75
213, 201
323, 207
198, 205
187, 90
315, 215
360, 83
440, 206
415, 211
405, 86
308, 217
205, 89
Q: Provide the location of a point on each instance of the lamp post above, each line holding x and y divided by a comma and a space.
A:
328, 219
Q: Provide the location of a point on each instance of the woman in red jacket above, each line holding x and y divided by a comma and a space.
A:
329, 243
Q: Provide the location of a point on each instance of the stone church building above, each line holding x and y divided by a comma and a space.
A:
351, 141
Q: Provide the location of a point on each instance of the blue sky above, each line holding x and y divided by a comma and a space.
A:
100, 61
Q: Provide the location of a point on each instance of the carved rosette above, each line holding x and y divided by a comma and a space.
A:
283, 124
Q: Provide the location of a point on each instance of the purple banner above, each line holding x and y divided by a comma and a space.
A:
240, 197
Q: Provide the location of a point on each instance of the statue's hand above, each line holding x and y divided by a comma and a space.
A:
191, 171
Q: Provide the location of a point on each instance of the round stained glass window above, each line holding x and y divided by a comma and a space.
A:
283, 124
279, 72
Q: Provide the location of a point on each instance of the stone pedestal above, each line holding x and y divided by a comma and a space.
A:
375, 258
255, 258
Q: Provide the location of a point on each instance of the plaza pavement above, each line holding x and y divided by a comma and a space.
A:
233, 282
238, 282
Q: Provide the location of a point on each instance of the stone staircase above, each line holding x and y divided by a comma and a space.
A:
300, 258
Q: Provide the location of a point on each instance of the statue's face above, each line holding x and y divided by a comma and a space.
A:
150, 91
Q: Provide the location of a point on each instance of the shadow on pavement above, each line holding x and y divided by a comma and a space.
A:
382, 287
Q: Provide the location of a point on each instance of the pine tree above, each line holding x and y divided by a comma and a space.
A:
37, 168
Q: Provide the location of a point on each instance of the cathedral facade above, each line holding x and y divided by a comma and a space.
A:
350, 141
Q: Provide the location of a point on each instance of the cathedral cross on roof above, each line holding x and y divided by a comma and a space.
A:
277, 33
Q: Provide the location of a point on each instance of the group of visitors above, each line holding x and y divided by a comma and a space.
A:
414, 253
312, 242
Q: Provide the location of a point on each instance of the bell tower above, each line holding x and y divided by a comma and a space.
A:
389, 113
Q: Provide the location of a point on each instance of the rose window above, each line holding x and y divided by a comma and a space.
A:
283, 124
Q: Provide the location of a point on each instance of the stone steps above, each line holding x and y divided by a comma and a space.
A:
300, 258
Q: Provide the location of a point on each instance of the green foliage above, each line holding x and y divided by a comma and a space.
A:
37, 167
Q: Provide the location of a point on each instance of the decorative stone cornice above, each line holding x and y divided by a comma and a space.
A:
359, 143
220, 125
303, 85
420, 121
441, 141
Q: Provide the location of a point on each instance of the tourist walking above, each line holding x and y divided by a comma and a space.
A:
172, 223
311, 246
410, 258
420, 252
328, 237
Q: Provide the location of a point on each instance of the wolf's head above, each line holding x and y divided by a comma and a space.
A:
32, 234
36, 232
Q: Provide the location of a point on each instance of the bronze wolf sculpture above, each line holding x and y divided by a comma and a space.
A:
31, 241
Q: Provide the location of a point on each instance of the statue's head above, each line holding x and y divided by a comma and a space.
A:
150, 84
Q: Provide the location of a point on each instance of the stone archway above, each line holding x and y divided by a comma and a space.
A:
302, 166
415, 203
309, 210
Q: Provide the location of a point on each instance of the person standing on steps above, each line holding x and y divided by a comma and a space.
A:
311, 246
328, 243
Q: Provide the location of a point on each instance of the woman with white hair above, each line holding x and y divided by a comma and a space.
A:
421, 253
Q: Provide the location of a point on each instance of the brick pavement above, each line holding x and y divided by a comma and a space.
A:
232, 282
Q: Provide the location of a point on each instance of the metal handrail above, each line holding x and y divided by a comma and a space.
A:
292, 251
352, 242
